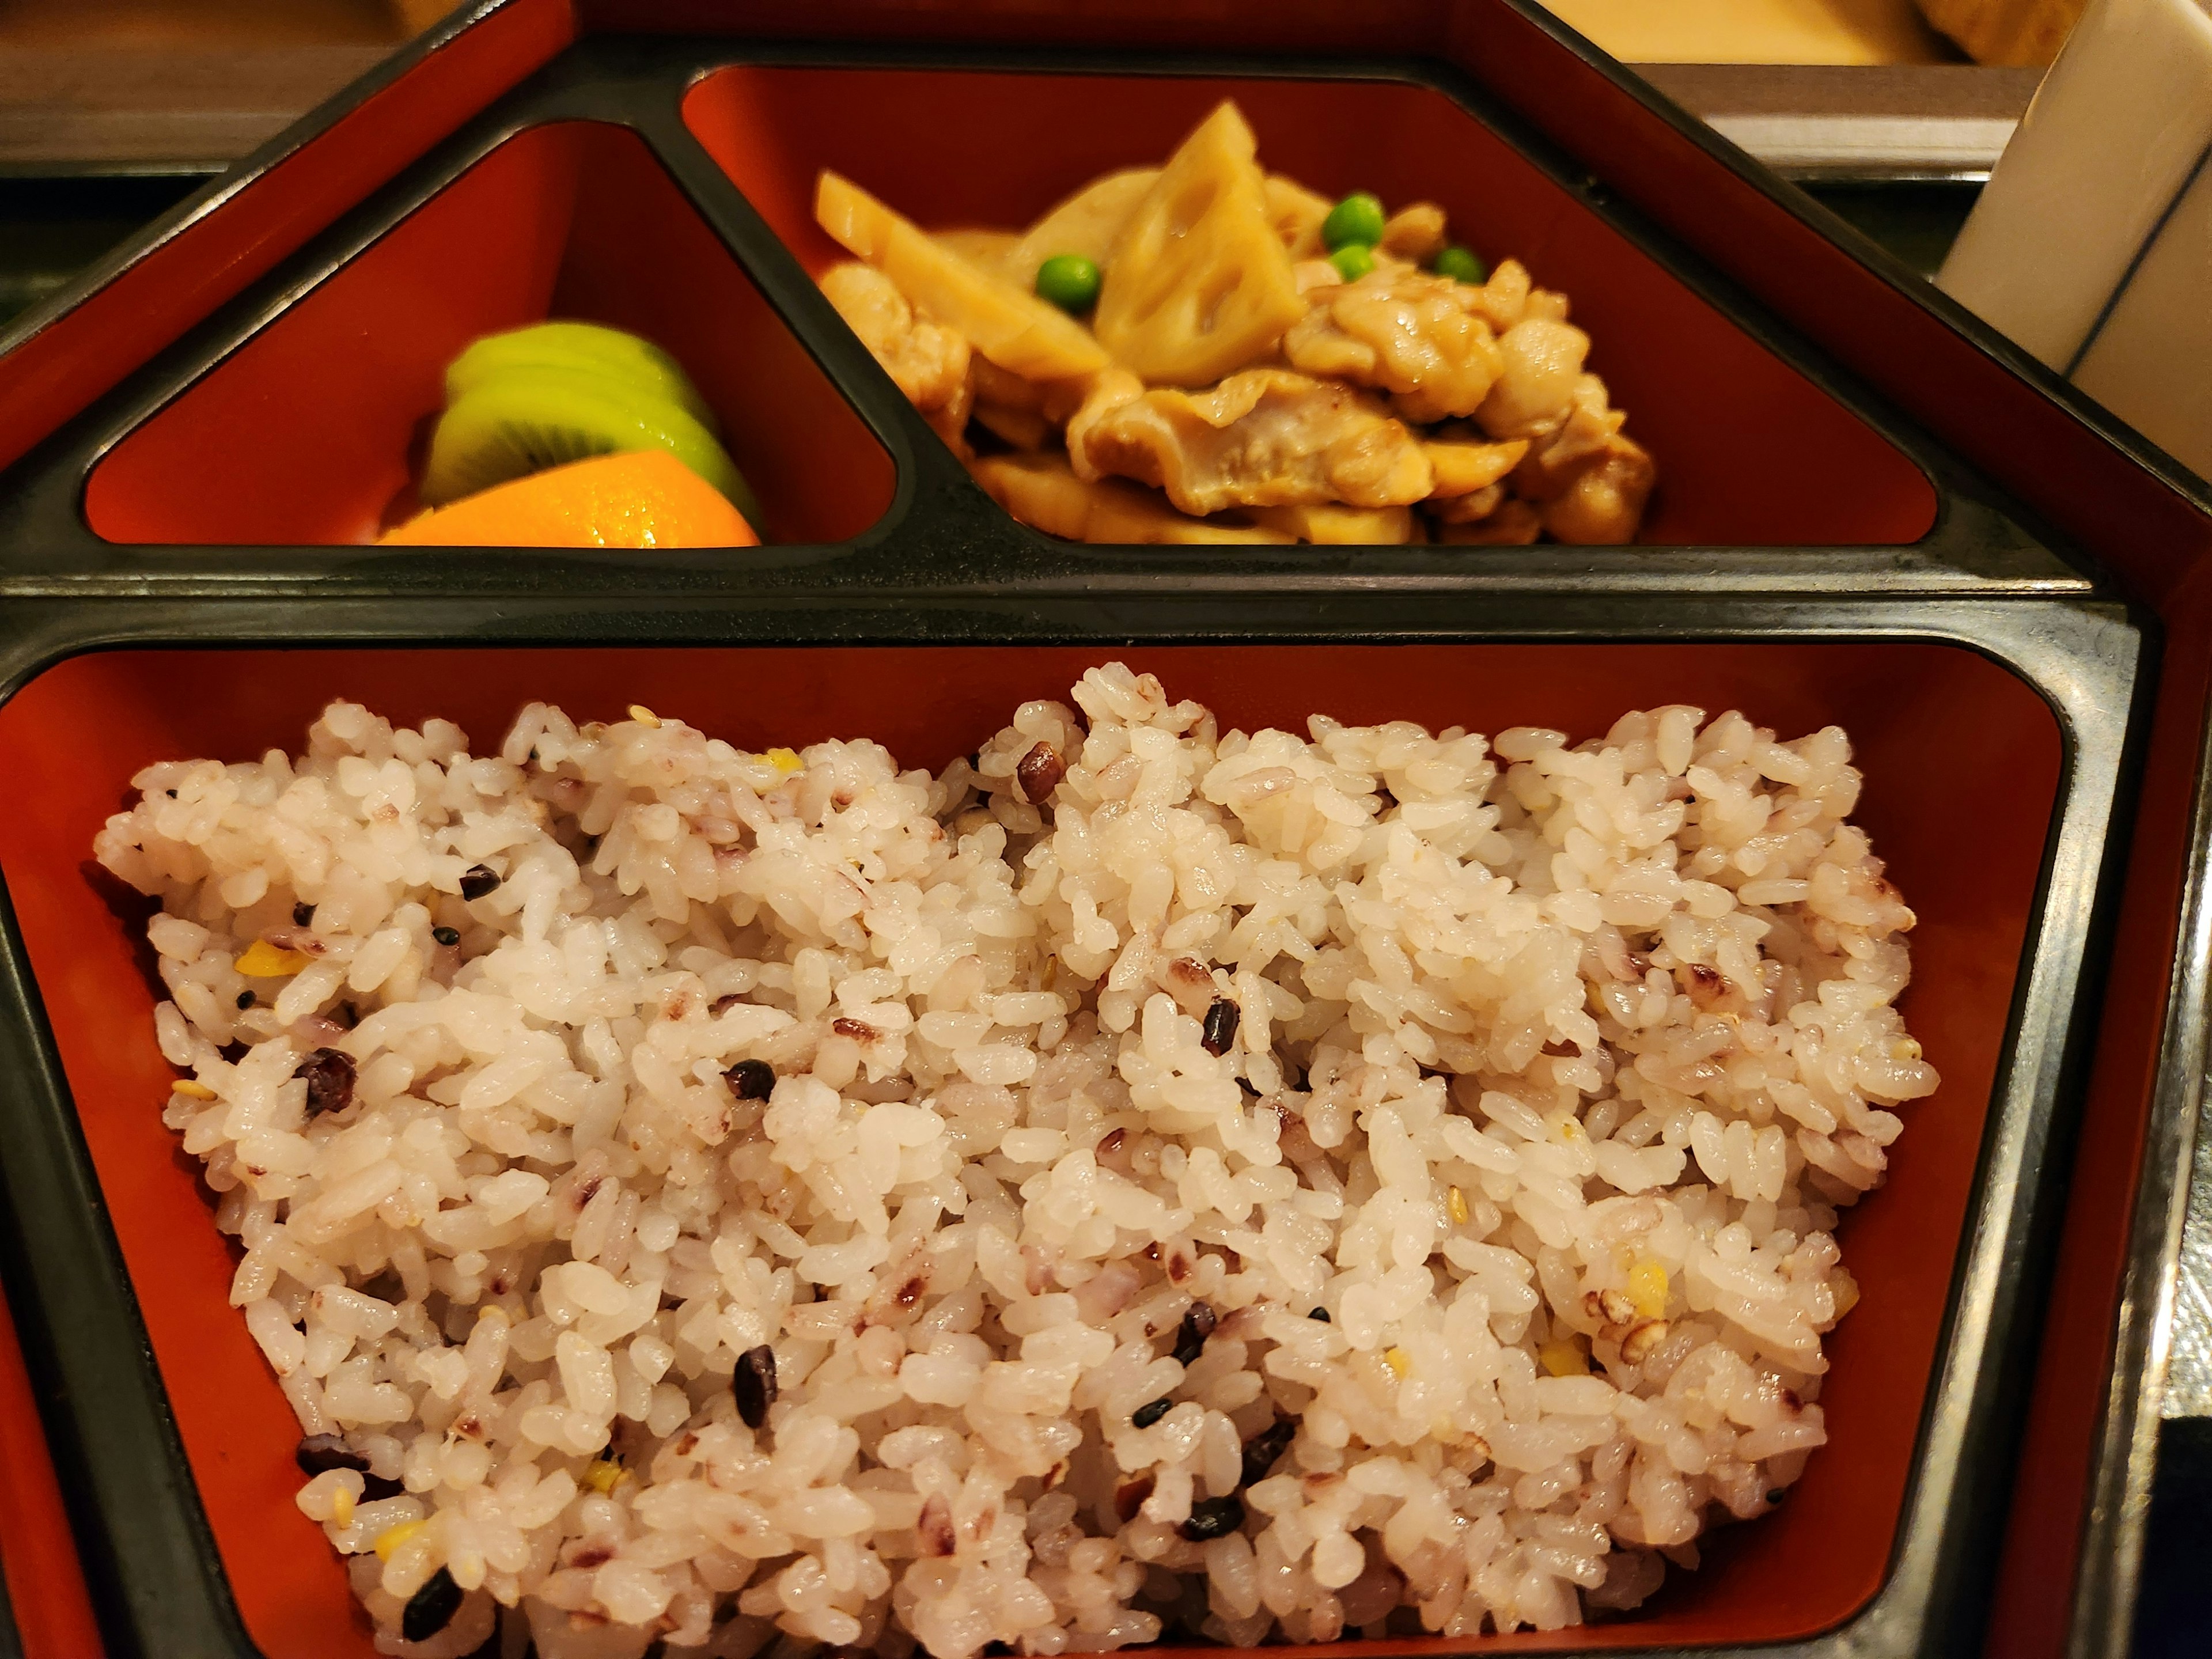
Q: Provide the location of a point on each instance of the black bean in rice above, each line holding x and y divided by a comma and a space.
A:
753, 1384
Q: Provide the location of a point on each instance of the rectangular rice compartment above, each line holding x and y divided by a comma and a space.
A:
1944, 737
313, 430
1750, 451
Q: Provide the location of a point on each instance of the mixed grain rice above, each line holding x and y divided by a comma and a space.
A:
1471, 1116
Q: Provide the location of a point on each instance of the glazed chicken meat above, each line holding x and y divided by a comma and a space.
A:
1205, 352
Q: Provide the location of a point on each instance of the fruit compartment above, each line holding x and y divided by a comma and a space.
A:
1751, 452
312, 431
1943, 735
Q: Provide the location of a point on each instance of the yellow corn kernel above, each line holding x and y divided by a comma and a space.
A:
191, 1090
644, 716
1455, 1202
1845, 1289
604, 1476
263, 960
393, 1537
1563, 1356
784, 761
341, 1506
1398, 1360
1647, 1288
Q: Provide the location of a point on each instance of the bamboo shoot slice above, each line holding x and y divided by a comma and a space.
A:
1043, 492
1016, 331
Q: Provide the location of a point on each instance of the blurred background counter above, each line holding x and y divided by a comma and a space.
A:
112, 110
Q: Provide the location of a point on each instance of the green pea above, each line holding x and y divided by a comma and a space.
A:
1069, 281
1357, 219
1353, 261
1460, 265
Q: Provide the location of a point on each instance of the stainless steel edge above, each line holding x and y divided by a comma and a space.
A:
1903, 121
2126, 1454
139, 109
2189, 1355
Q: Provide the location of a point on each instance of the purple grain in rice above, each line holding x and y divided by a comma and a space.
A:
329, 1076
1198, 1322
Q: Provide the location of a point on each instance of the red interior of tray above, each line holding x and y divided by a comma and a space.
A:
46, 1593
1750, 452
1943, 737
310, 432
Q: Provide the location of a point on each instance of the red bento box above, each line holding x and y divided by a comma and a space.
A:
1822, 422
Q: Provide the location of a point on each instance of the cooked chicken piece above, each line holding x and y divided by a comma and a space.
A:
1266, 437
1604, 504
1341, 526
1011, 326
1414, 233
1054, 400
1463, 468
1542, 360
1579, 441
1504, 300
1200, 283
1403, 331
1296, 214
1515, 524
1585, 481
1043, 491
1024, 428
1470, 509
1027, 414
928, 361
1088, 223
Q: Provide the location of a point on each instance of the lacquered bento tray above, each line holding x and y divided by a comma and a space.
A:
1873, 512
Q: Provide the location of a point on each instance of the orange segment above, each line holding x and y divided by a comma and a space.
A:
647, 498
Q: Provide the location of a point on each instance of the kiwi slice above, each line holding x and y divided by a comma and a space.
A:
528, 420
582, 348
